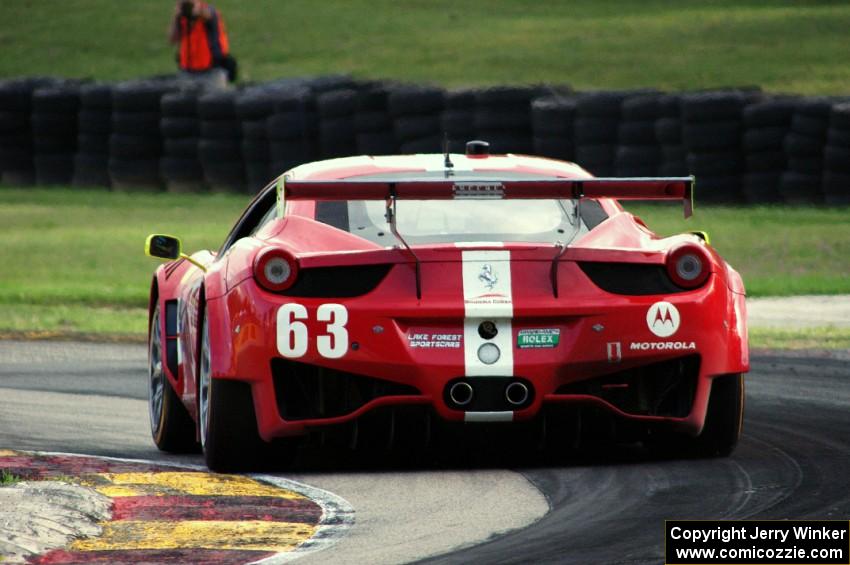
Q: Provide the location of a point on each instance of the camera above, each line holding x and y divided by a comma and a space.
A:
187, 9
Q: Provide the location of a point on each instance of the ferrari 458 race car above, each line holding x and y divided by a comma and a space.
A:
476, 289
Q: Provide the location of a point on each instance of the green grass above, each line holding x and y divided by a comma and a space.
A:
7, 478
827, 337
73, 260
672, 44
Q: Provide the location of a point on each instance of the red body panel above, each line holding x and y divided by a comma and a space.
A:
385, 322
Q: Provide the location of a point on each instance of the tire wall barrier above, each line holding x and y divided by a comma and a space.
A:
742, 145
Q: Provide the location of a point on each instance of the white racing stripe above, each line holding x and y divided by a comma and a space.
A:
487, 296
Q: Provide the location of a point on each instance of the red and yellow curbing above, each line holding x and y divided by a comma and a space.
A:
164, 515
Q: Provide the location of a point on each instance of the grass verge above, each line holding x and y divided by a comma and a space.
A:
7, 478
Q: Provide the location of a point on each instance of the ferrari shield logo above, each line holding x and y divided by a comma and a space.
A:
488, 277
662, 319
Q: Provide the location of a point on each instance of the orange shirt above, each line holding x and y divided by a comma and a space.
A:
202, 42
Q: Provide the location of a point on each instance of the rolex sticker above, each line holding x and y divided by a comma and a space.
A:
538, 339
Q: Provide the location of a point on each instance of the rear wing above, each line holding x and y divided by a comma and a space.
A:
663, 188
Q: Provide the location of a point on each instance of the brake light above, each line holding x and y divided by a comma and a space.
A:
275, 269
688, 266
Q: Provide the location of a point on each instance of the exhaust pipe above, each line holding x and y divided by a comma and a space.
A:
461, 393
516, 393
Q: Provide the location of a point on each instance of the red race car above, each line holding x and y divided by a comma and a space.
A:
383, 294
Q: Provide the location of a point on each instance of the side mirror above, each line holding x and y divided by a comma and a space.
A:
163, 246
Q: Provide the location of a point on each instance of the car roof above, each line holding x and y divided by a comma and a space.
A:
429, 165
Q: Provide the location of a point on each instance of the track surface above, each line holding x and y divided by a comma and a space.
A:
793, 461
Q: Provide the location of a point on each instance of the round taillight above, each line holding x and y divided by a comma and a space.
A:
688, 266
275, 269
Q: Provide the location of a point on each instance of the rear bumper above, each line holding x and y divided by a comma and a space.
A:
605, 355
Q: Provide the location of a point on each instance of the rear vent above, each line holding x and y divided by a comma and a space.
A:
306, 391
337, 282
636, 279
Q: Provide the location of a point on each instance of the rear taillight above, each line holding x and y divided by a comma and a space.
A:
275, 269
688, 266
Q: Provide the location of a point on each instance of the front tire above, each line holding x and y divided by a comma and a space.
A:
172, 428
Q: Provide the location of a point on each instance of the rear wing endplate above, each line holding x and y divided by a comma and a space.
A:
662, 188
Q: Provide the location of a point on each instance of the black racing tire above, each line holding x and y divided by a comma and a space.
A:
139, 97
175, 169
810, 125
296, 100
815, 107
720, 189
712, 136
253, 106
494, 118
800, 188
459, 123
174, 128
124, 146
219, 150
554, 147
255, 150
230, 439
128, 174
596, 154
603, 104
294, 151
771, 113
255, 129
500, 142
172, 428
506, 96
217, 105
13, 157
54, 144
670, 106
633, 170
411, 100
372, 99
230, 174
640, 108
55, 124
460, 99
724, 419
181, 147
292, 125
377, 121
638, 157
13, 122
836, 189
673, 169
839, 117
180, 104
221, 129
97, 122
96, 96
637, 133
762, 188
337, 137
54, 168
766, 162
56, 99
797, 145
838, 137
836, 159
806, 165
93, 143
764, 139
673, 153
377, 143
131, 123
714, 164
668, 131
257, 174
596, 131
711, 107
432, 144
337, 103
408, 128
553, 117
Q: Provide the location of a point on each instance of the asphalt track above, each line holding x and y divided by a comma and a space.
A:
793, 462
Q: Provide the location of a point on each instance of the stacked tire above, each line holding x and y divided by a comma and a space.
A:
597, 128
181, 129
668, 132
638, 151
253, 108
766, 124
293, 131
135, 146
337, 132
711, 130
54, 130
220, 144
457, 121
373, 123
94, 126
804, 148
503, 118
16, 143
553, 123
836, 157
417, 113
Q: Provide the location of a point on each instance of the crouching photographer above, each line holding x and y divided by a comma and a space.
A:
204, 52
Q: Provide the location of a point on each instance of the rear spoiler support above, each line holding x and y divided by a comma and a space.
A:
391, 220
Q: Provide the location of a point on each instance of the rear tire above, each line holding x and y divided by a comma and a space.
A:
228, 422
724, 418
171, 426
